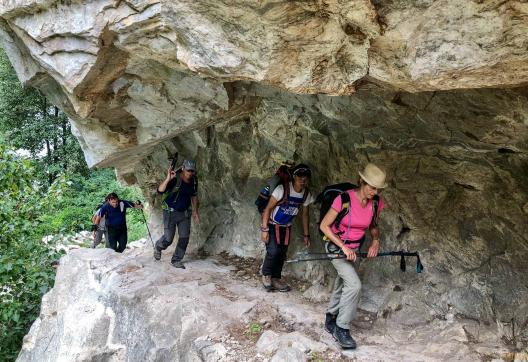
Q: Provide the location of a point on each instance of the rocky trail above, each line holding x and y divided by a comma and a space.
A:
128, 307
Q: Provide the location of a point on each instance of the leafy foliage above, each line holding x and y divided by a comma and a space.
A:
253, 331
25, 263
30, 122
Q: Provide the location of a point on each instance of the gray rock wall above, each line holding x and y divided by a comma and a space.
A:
456, 163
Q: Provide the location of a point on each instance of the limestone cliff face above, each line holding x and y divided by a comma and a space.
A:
431, 90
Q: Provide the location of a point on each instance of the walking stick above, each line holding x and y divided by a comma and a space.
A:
146, 224
303, 256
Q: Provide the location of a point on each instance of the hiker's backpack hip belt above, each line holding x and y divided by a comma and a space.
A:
333, 248
276, 228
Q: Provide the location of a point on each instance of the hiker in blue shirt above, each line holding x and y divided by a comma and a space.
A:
179, 193
115, 212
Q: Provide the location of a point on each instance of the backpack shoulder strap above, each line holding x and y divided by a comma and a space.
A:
177, 185
174, 188
285, 193
121, 206
345, 208
375, 211
195, 183
305, 196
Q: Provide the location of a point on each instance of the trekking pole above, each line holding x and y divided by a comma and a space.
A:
174, 160
146, 224
330, 256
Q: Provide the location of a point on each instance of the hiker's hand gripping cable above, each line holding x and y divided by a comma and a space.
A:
264, 230
327, 230
170, 175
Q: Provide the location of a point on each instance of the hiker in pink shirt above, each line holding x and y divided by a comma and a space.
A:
347, 238
358, 219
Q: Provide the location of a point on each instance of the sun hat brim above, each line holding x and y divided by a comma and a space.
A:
372, 182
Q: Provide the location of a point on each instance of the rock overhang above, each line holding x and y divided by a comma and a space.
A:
134, 67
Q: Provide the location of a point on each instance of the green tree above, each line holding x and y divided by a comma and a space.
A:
26, 271
28, 121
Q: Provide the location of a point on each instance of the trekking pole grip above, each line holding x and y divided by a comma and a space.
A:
419, 265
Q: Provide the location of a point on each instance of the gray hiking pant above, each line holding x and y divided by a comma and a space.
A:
171, 219
345, 295
99, 238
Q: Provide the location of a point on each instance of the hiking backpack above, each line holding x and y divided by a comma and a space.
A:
328, 195
282, 177
96, 212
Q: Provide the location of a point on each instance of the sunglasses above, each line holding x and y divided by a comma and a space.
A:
303, 172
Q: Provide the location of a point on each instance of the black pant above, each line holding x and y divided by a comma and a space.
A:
117, 237
171, 219
275, 253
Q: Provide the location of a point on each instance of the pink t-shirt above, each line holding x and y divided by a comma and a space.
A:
357, 221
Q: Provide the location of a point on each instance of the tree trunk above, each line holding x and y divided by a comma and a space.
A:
64, 128
48, 145
48, 156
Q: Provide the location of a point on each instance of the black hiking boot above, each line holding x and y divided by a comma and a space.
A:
343, 337
157, 254
178, 264
330, 323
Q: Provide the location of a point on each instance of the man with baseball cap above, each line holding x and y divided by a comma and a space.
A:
179, 193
